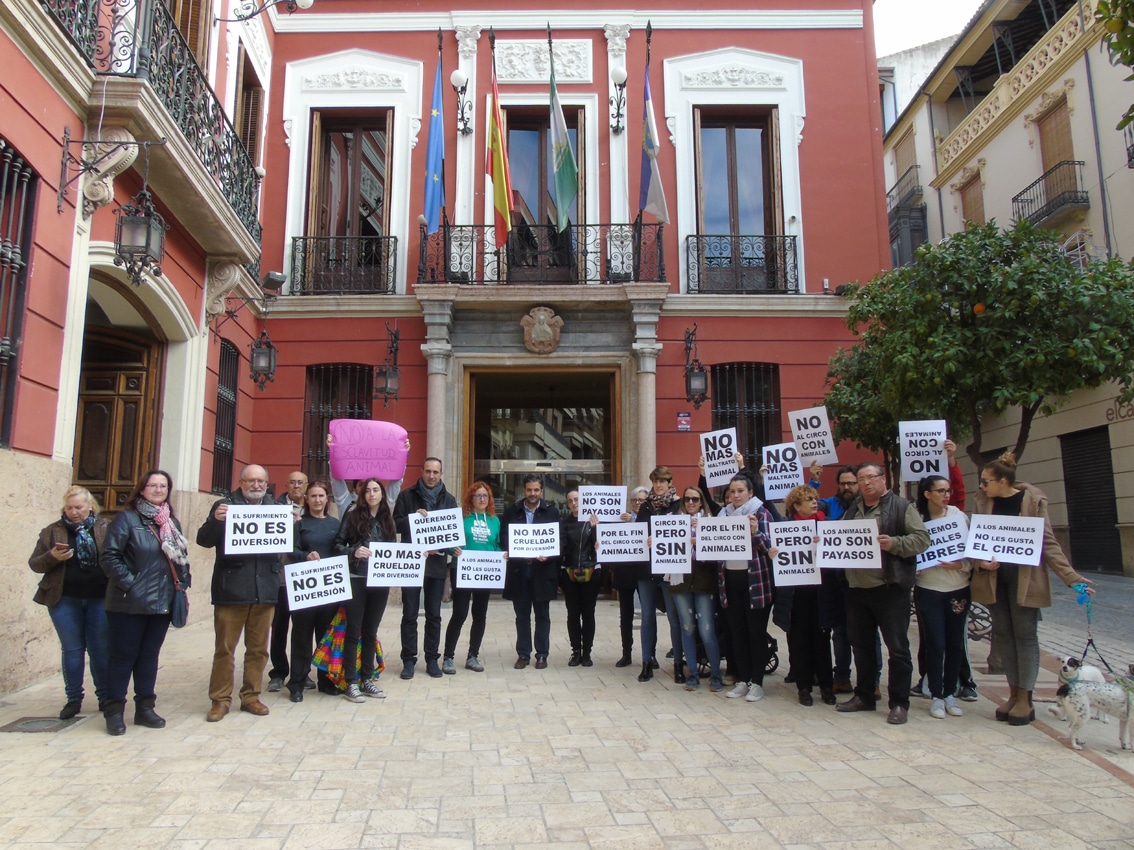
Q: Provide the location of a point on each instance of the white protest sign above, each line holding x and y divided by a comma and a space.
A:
536, 540
1008, 539
784, 470
395, 565
811, 430
946, 541
443, 529
724, 538
672, 551
849, 544
258, 529
922, 447
621, 543
607, 503
311, 583
794, 564
719, 449
480, 570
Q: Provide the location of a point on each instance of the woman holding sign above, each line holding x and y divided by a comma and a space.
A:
370, 520
579, 579
941, 597
482, 534
1014, 593
694, 600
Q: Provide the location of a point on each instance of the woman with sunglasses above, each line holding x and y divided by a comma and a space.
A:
1014, 593
941, 598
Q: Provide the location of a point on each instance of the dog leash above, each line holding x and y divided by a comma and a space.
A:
1085, 600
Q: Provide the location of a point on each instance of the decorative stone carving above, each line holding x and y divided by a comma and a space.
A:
222, 279
357, 79
527, 61
732, 77
541, 330
415, 130
98, 191
467, 37
799, 119
616, 35
287, 131
671, 125
1048, 101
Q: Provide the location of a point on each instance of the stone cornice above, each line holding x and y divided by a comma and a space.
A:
339, 306
787, 306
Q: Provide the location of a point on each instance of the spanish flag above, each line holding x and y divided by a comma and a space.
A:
497, 168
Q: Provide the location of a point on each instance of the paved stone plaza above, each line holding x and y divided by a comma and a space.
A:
573, 757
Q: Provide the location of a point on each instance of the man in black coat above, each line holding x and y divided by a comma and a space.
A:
531, 583
428, 494
244, 590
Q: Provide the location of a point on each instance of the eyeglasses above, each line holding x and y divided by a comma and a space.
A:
944, 491
864, 478
848, 483
691, 499
480, 495
984, 482
257, 481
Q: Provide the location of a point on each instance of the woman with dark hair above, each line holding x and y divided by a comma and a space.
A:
1014, 593
314, 540
369, 520
73, 588
145, 557
579, 579
941, 598
624, 580
482, 534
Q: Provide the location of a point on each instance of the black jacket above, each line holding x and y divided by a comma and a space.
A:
343, 544
241, 579
411, 501
531, 576
577, 544
140, 581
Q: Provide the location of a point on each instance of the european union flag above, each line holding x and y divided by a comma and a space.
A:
435, 158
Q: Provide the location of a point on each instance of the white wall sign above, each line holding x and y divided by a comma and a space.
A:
719, 449
922, 447
724, 538
607, 503
794, 563
258, 529
443, 529
1008, 539
850, 544
947, 537
533, 540
481, 570
672, 551
312, 583
621, 543
395, 565
784, 470
811, 430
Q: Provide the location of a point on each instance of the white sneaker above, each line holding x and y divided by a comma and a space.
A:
353, 694
740, 690
951, 707
370, 688
755, 693
937, 708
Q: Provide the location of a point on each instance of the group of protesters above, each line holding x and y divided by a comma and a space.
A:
113, 590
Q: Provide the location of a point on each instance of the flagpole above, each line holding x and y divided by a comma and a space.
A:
444, 198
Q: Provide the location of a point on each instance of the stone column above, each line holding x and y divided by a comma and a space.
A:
645, 302
438, 351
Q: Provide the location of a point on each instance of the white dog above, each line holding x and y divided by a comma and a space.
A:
1074, 670
1077, 699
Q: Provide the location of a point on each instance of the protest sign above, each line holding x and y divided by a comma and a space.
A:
922, 447
258, 529
811, 430
311, 583
724, 538
1008, 539
443, 529
719, 449
365, 448
794, 564
607, 503
850, 544
622, 543
947, 537
480, 570
784, 470
672, 551
536, 540
395, 565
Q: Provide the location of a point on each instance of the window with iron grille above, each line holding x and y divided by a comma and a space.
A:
334, 391
17, 202
225, 435
746, 396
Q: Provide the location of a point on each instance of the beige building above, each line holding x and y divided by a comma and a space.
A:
1017, 121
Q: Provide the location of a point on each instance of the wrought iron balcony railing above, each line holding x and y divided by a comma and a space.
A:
140, 39
343, 265
908, 188
1059, 189
747, 265
540, 254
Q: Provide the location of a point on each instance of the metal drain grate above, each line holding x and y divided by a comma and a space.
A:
40, 724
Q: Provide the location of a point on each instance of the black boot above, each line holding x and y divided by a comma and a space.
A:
115, 723
576, 658
624, 661
647, 672
73, 707
144, 714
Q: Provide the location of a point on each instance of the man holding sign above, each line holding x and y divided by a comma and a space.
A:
879, 600
531, 583
244, 590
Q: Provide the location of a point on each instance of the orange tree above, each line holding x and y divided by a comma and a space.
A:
1117, 18
983, 322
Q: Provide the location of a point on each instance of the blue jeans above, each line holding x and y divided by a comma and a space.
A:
695, 611
81, 626
648, 596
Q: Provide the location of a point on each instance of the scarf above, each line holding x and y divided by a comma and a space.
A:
173, 543
747, 509
430, 494
661, 503
85, 549
678, 578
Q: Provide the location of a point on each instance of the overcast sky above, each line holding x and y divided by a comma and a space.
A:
900, 24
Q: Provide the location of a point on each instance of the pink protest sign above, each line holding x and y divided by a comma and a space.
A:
361, 448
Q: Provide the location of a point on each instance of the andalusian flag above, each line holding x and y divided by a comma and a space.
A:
563, 158
497, 167
651, 196
435, 158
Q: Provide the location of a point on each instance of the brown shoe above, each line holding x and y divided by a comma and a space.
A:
217, 712
254, 706
540, 663
843, 687
897, 716
520, 664
855, 703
